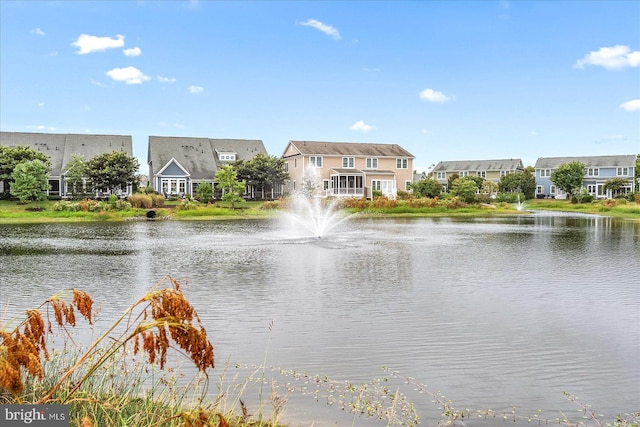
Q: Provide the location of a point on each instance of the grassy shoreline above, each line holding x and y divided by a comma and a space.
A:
12, 212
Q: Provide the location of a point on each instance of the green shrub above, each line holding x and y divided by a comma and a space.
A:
65, 205
403, 195
455, 203
422, 202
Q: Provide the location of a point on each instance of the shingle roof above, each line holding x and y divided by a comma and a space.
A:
589, 161
350, 149
479, 165
61, 147
199, 156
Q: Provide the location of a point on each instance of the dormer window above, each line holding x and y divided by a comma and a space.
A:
227, 157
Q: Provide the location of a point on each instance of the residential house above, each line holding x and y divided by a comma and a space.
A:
491, 170
349, 169
598, 170
61, 147
177, 165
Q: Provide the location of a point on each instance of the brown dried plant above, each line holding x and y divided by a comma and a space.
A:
165, 318
25, 347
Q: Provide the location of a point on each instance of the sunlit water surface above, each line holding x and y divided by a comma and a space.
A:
491, 312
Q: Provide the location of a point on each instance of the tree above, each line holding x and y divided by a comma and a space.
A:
112, 171
204, 192
232, 189
31, 181
262, 172
426, 188
615, 185
568, 177
450, 180
76, 177
11, 156
524, 183
465, 188
637, 174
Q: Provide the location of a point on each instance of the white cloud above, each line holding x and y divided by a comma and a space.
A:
611, 58
88, 44
42, 127
435, 96
40, 104
38, 31
633, 105
196, 89
361, 126
134, 51
327, 29
166, 79
129, 75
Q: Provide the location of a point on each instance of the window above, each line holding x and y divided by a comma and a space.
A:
286, 167
407, 185
552, 189
315, 161
463, 173
593, 172
325, 184
442, 175
376, 184
372, 163
622, 171
295, 163
539, 189
545, 173
592, 189
227, 157
348, 162
504, 173
481, 174
402, 163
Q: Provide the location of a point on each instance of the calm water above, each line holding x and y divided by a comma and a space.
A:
492, 312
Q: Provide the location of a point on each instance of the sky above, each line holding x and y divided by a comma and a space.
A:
446, 80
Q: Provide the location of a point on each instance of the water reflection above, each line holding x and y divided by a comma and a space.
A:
492, 311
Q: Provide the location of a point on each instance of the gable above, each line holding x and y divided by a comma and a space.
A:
173, 168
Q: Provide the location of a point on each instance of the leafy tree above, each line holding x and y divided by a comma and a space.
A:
568, 177
232, 189
262, 172
489, 187
204, 192
112, 171
465, 188
637, 173
76, 176
31, 181
426, 188
615, 185
11, 156
450, 180
524, 183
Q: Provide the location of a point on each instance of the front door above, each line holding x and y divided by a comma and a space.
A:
387, 188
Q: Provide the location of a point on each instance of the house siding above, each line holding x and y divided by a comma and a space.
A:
607, 167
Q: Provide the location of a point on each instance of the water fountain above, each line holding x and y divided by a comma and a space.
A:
519, 204
310, 210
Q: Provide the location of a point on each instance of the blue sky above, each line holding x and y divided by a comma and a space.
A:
449, 80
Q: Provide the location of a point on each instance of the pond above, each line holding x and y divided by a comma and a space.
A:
490, 312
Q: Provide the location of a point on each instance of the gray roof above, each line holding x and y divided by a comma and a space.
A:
61, 147
589, 161
199, 156
350, 149
479, 165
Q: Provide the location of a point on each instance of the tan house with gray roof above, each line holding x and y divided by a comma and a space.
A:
177, 165
61, 147
491, 170
349, 169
